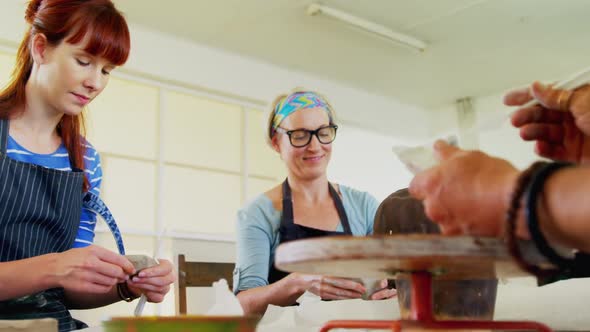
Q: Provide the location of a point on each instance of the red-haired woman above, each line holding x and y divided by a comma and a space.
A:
50, 175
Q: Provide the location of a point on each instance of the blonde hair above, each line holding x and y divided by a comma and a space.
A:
273, 106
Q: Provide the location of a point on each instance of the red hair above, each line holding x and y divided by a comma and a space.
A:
108, 38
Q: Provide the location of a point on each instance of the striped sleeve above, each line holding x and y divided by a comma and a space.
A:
93, 172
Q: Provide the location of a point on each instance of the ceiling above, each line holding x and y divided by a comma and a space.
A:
476, 47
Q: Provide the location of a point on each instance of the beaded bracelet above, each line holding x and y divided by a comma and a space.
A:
532, 181
512, 215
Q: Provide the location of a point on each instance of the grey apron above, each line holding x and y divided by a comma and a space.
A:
40, 214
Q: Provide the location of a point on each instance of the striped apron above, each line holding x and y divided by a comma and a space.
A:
39, 214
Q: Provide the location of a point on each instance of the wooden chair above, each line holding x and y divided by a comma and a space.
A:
199, 274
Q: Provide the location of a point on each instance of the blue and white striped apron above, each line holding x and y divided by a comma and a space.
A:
40, 214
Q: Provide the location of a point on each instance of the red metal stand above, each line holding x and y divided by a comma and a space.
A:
422, 316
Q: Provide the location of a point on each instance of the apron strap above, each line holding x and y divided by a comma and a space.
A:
92, 202
288, 217
340, 209
4, 126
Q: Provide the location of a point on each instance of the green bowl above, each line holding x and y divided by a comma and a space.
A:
182, 324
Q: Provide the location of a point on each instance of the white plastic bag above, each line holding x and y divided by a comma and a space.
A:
226, 303
421, 157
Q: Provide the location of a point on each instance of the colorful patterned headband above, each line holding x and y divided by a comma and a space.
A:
294, 102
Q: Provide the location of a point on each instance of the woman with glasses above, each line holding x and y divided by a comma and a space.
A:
301, 129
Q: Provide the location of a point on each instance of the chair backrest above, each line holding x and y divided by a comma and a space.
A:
199, 274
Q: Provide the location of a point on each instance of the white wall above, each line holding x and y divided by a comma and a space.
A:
221, 71
496, 135
365, 160
169, 58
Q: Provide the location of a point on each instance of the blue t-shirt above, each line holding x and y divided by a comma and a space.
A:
258, 233
60, 160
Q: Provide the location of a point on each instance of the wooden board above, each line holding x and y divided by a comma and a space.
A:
386, 256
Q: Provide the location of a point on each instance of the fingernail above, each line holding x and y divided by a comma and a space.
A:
135, 279
142, 274
539, 86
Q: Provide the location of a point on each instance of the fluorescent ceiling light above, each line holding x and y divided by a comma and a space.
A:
368, 26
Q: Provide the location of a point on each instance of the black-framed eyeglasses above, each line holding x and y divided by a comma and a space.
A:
301, 137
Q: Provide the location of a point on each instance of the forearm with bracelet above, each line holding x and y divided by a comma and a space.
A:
530, 185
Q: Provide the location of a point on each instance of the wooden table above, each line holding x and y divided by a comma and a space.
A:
422, 257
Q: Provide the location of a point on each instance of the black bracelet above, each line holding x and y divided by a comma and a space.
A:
124, 292
536, 186
512, 215
581, 268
